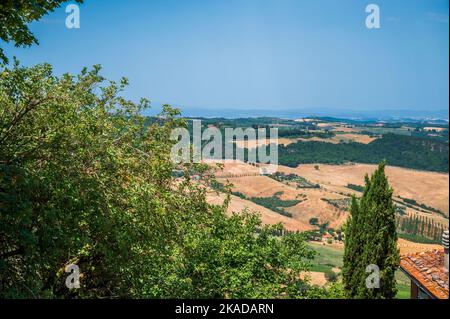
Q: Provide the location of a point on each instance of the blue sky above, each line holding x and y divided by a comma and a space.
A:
258, 54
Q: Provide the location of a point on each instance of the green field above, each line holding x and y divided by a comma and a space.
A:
328, 257
403, 285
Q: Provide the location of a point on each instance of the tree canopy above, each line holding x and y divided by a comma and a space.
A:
84, 180
16, 14
398, 150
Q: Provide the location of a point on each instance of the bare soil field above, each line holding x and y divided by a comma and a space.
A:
408, 247
268, 217
256, 143
348, 137
337, 246
345, 135
234, 168
315, 278
314, 206
311, 204
405, 246
262, 186
341, 138
429, 188
327, 124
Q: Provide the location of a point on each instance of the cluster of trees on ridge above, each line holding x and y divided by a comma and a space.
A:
397, 150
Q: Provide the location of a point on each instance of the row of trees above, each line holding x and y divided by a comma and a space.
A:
420, 226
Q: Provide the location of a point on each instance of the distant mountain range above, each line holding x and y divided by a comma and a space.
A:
438, 116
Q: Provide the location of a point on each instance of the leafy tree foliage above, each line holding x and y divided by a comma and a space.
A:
83, 180
16, 14
334, 290
371, 239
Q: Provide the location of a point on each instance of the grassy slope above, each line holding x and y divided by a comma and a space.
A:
328, 257
403, 285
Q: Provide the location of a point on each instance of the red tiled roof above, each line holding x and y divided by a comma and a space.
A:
427, 268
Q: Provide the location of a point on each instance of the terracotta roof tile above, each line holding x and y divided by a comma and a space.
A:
427, 268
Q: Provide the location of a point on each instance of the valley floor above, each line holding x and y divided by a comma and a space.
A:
427, 188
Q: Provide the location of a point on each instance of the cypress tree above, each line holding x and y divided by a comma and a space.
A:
432, 229
353, 249
416, 224
371, 239
408, 225
421, 225
401, 223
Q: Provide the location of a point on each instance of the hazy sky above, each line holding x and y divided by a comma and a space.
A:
262, 54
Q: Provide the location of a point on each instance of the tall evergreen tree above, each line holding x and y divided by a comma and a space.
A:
353, 249
371, 239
